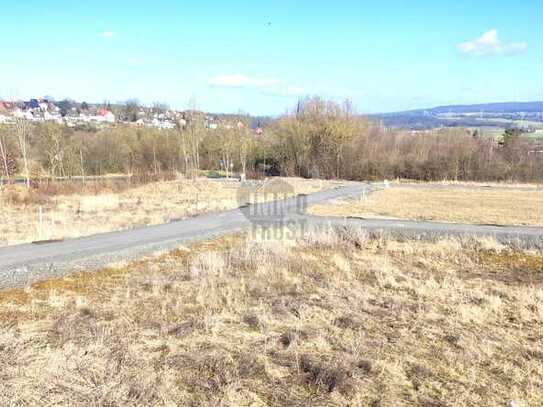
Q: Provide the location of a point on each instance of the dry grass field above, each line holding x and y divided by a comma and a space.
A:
75, 215
335, 318
470, 184
504, 206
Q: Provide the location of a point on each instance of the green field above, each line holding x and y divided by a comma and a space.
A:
496, 133
537, 135
489, 132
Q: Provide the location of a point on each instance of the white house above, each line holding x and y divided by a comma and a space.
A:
52, 117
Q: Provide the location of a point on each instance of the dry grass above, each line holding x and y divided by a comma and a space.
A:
73, 215
471, 184
457, 205
337, 318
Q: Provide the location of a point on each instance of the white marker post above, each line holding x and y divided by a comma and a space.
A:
363, 197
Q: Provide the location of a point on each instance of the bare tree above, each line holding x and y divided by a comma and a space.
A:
54, 148
228, 148
4, 156
130, 110
183, 146
22, 131
245, 144
159, 108
190, 136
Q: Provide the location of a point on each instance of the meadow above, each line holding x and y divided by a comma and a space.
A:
495, 204
337, 317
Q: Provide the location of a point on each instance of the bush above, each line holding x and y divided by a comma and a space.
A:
18, 195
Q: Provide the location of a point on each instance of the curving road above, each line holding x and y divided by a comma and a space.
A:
25, 264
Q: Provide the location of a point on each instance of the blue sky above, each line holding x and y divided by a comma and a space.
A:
260, 57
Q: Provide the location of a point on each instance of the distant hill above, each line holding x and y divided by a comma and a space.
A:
501, 115
508, 107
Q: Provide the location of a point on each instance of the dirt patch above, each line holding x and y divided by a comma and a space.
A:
511, 267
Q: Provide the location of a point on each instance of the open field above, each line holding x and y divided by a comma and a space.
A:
497, 133
24, 218
532, 186
441, 203
537, 135
335, 318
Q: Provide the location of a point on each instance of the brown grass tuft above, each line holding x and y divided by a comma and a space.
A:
20, 196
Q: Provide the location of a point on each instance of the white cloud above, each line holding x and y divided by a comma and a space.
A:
107, 34
242, 81
490, 44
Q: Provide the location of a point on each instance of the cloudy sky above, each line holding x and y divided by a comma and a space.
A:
260, 57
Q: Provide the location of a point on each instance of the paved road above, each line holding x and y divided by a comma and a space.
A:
25, 264
21, 265
521, 236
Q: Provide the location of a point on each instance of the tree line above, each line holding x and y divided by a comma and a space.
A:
317, 138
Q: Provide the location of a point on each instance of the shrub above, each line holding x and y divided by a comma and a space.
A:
17, 195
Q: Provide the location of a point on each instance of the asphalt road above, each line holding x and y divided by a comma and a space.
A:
521, 236
24, 264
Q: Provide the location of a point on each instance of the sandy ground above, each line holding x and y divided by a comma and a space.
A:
329, 319
503, 206
73, 216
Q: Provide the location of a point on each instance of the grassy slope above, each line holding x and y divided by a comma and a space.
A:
332, 319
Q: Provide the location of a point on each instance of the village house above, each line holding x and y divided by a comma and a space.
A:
104, 116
